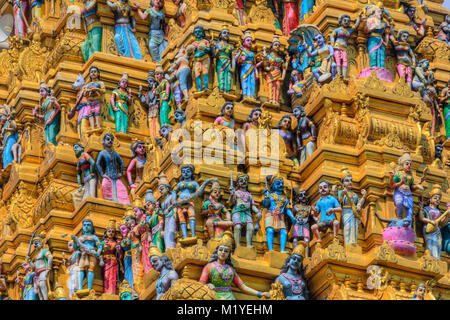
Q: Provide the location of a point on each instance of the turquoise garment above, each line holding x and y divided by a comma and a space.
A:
121, 115
28, 291
51, 130
376, 48
306, 7
324, 204
247, 74
126, 42
9, 140
127, 261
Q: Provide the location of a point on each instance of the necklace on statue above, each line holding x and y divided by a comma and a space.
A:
225, 271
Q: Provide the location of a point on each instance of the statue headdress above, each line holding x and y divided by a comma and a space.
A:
227, 240
272, 178
215, 185
149, 197
163, 181
276, 39
44, 85
436, 189
154, 251
4, 109
111, 224
345, 172
159, 68
124, 76
403, 158
125, 287
300, 249
138, 203
247, 34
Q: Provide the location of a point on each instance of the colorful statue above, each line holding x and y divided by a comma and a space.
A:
142, 231
226, 116
339, 40
419, 27
51, 116
446, 235
285, 130
72, 267
136, 249
403, 184
405, 56
214, 212
167, 275
86, 176
137, 164
90, 248
42, 267
125, 291
155, 220
225, 63
110, 168
444, 30
36, 12
82, 106
21, 14
27, 283
9, 135
242, 204
423, 77
150, 102
275, 65
301, 210
94, 90
170, 218
306, 133
182, 72
165, 96
202, 60
180, 116
219, 274
110, 252
290, 16
125, 245
239, 11
351, 207
325, 53
325, 210
158, 29
278, 205
124, 29
93, 28
252, 119
445, 102
306, 8
291, 275
419, 294
248, 71
432, 219
378, 35
181, 8
119, 104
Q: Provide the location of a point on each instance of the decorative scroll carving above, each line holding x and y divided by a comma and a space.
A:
386, 253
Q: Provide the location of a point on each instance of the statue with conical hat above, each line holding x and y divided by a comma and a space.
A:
167, 275
155, 220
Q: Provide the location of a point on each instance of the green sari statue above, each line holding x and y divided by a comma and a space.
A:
118, 105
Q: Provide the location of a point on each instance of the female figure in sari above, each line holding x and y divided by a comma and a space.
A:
137, 163
248, 71
378, 36
27, 283
9, 134
224, 60
226, 116
110, 251
285, 130
119, 104
86, 177
125, 245
219, 274
93, 42
276, 69
52, 114
165, 96
154, 220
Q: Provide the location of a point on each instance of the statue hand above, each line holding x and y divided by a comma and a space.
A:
433, 222
211, 286
266, 295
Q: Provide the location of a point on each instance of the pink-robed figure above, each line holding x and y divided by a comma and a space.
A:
21, 13
110, 253
143, 233
290, 16
137, 165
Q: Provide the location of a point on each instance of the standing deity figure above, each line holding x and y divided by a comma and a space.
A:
339, 40
142, 231
120, 103
158, 29
170, 218
94, 91
181, 8
239, 12
423, 77
201, 49
27, 284
150, 102
301, 210
290, 16
378, 35
9, 135
226, 116
275, 66
306, 133
419, 27
285, 130
165, 97
278, 206
225, 63
110, 168
110, 253
137, 164
71, 266
324, 212
124, 29
402, 182
446, 235
351, 207
125, 245
292, 277
219, 273
136, 249
20, 13
444, 30
325, 53
52, 113
36, 12
94, 29
248, 71
155, 220
444, 99
242, 204
182, 72
82, 106
90, 248
406, 59
214, 212
167, 275
419, 294
306, 7
86, 176
433, 220
42, 266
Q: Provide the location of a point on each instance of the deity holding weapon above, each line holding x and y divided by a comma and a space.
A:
242, 204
